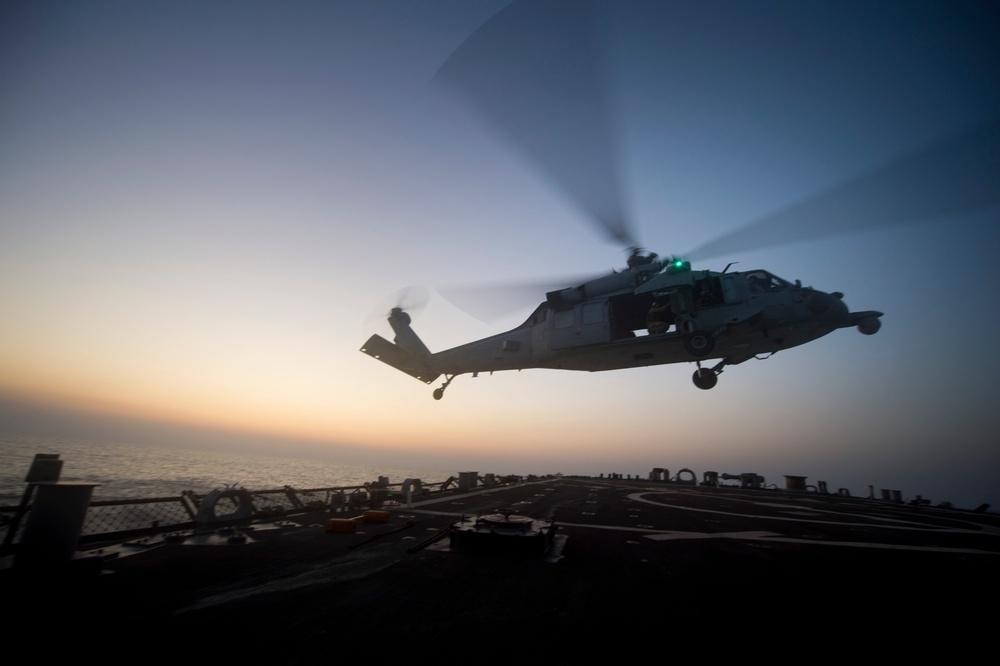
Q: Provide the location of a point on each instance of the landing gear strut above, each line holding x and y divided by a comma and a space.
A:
705, 378
439, 392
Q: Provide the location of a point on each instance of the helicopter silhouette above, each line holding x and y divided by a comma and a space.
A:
532, 72
653, 312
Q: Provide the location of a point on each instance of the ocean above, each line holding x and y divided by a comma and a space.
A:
125, 470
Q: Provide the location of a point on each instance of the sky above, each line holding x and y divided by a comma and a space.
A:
205, 205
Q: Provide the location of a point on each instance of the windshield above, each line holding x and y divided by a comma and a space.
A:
764, 281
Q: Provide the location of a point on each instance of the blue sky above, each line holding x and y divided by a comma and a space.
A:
202, 202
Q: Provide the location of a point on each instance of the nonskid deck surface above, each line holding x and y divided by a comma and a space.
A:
631, 560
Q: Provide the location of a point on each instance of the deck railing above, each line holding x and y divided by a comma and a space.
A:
109, 520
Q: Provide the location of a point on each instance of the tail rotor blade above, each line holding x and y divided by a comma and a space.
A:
412, 300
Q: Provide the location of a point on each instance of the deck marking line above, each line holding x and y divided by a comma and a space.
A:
908, 525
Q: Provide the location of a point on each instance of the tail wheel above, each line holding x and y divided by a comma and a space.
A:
699, 344
705, 379
439, 392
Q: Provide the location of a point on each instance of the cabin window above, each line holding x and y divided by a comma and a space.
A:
707, 292
593, 313
562, 318
730, 291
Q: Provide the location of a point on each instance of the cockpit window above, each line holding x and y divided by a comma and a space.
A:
762, 281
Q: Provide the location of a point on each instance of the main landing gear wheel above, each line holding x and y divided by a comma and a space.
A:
699, 344
705, 379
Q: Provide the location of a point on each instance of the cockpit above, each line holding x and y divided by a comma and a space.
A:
762, 281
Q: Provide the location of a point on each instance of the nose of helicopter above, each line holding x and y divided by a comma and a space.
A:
829, 309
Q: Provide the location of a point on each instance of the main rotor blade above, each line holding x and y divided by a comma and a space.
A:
532, 73
491, 302
957, 175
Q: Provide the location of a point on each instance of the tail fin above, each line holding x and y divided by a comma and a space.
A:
409, 354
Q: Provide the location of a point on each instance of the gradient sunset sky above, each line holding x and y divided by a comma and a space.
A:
203, 203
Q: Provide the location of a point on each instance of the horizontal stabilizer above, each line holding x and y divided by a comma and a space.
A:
385, 351
855, 318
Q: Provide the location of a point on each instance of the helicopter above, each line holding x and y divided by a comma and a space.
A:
659, 310
652, 312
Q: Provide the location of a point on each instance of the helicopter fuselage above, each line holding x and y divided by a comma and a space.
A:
651, 314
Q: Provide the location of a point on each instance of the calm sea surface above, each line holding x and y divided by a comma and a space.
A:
144, 470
